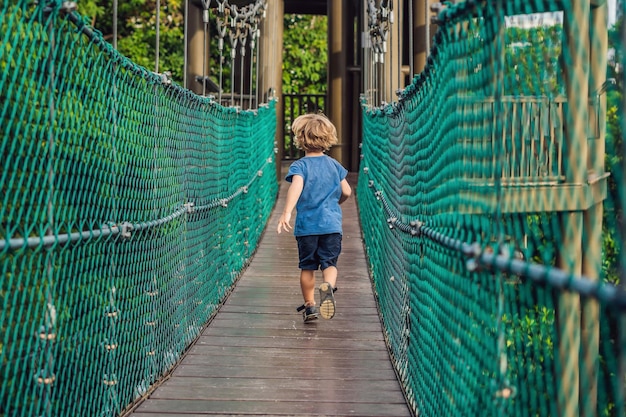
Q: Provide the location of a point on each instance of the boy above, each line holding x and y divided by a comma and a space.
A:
318, 187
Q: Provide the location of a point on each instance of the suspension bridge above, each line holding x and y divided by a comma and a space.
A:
483, 263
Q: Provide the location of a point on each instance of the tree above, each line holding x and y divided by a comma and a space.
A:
305, 54
137, 31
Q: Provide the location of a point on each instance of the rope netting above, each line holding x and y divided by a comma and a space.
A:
129, 206
493, 228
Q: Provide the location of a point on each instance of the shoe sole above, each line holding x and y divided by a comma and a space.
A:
327, 301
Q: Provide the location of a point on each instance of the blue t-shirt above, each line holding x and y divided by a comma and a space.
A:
318, 211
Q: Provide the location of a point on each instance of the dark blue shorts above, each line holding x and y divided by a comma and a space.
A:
318, 250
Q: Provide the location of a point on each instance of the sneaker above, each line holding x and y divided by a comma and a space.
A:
327, 301
309, 313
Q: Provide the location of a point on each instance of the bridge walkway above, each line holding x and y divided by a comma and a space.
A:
257, 357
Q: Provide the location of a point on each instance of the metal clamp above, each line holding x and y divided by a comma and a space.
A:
125, 230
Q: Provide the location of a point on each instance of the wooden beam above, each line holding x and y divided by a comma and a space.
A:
482, 198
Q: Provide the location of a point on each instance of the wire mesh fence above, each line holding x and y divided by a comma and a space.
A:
492, 220
128, 206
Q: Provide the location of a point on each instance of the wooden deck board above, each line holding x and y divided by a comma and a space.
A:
257, 357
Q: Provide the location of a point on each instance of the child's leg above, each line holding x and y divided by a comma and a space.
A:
327, 299
330, 276
328, 252
307, 284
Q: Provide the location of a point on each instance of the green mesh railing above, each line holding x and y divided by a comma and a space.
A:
129, 206
494, 233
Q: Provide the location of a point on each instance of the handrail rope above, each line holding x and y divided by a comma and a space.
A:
124, 228
604, 292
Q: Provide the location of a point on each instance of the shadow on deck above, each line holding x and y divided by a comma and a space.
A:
257, 357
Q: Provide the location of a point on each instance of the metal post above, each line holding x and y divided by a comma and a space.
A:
115, 24
186, 38
256, 72
205, 41
158, 36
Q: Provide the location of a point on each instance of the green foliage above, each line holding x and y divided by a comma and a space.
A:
531, 57
613, 213
305, 42
305, 54
136, 25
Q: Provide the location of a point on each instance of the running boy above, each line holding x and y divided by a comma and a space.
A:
318, 187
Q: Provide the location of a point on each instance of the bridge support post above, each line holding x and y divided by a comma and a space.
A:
421, 43
575, 61
337, 77
271, 66
392, 70
592, 218
195, 47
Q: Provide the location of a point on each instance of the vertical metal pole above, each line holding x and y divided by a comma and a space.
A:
232, 76
411, 35
256, 78
242, 58
186, 37
251, 71
205, 21
429, 31
158, 35
115, 24
221, 31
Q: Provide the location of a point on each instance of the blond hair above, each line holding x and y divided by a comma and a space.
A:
314, 132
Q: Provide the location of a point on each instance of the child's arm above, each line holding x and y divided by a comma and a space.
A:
293, 194
346, 191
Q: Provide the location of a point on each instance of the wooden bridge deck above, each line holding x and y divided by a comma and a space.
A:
257, 357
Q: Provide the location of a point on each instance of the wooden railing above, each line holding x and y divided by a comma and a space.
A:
527, 137
293, 106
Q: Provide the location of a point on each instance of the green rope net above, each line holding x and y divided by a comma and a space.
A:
128, 206
493, 229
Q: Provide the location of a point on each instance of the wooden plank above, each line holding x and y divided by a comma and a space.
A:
272, 334
253, 384
277, 300
288, 353
270, 393
314, 369
355, 360
257, 357
309, 343
340, 327
327, 406
289, 312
